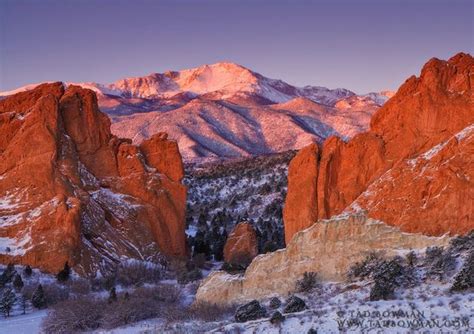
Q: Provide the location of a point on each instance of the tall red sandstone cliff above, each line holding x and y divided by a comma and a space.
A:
71, 191
426, 111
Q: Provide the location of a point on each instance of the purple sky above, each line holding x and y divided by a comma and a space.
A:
360, 45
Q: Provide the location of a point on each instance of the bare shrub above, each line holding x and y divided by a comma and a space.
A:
137, 273
85, 314
308, 282
440, 263
55, 293
143, 303
208, 312
130, 310
163, 293
366, 268
187, 272
103, 282
199, 260
387, 277
80, 314
211, 312
464, 280
28, 289
462, 243
79, 286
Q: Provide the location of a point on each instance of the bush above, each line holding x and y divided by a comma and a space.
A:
64, 274
366, 268
45, 295
232, 269
387, 277
307, 283
80, 314
79, 286
210, 312
464, 280
382, 290
186, 276
411, 259
130, 310
103, 282
163, 293
137, 273
462, 243
440, 263
86, 314
55, 293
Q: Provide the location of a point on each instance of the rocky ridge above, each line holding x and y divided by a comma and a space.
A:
410, 137
328, 247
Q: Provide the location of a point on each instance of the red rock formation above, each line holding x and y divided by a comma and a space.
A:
71, 191
241, 245
428, 109
423, 113
430, 194
301, 206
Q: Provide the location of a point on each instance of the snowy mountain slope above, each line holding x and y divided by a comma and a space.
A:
210, 128
227, 110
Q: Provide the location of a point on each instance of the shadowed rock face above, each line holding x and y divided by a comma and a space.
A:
434, 198
328, 247
71, 191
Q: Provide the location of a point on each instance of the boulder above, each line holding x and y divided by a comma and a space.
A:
241, 245
274, 303
277, 318
250, 311
294, 304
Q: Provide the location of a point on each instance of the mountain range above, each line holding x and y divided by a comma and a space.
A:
226, 110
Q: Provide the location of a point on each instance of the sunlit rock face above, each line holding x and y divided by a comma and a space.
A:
72, 191
328, 247
413, 168
241, 245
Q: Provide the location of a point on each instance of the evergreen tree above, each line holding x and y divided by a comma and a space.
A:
18, 282
38, 299
112, 295
27, 272
7, 300
7, 275
64, 274
24, 303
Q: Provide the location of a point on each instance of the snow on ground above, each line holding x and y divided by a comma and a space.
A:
431, 316
29, 323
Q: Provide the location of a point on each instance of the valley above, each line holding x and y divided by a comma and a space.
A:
218, 200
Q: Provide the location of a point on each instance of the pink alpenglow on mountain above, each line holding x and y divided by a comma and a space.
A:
226, 110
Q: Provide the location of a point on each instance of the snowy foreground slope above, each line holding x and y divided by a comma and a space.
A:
425, 291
